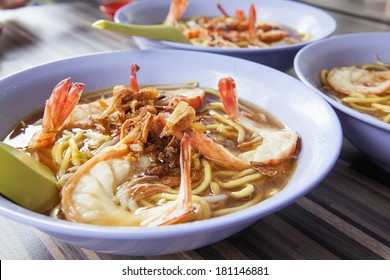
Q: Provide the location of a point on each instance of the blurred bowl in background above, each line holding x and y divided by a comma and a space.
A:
370, 135
298, 16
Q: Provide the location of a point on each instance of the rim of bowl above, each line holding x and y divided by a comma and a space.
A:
248, 215
331, 25
343, 108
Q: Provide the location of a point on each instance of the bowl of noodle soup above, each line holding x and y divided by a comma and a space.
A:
364, 117
304, 24
306, 113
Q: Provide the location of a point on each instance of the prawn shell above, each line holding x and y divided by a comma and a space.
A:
349, 80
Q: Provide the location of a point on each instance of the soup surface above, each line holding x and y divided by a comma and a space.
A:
159, 155
233, 33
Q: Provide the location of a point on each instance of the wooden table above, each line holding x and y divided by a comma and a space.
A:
345, 217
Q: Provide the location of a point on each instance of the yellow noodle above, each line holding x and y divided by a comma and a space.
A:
241, 181
223, 130
78, 137
224, 173
239, 128
361, 108
217, 206
246, 191
196, 164
166, 196
271, 192
381, 106
212, 126
365, 99
59, 150
191, 84
144, 203
74, 152
374, 67
206, 178
215, 189
55, 212
96, 139
204, 212
63, 179
323, 75
216, 106
256, 199
64, 164
245, 172
106, 144
358, 94
387, 118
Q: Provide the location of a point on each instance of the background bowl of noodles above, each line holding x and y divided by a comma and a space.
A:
313, 22
370, 135
25, 92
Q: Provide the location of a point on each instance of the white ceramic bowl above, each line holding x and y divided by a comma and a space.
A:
301, 17
370, 135
289, 101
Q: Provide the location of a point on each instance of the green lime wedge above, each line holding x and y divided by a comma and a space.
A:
26, 181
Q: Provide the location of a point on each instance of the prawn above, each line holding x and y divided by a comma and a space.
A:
85, 115
277, 144
99, 191
349, 80
176, 10
181, 121
58, 108
193, 96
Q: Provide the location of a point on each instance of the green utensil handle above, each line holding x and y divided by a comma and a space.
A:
157, 31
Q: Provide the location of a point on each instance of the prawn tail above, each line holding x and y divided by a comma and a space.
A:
58, 108
227, 92
133, 78
252, 22
176, 10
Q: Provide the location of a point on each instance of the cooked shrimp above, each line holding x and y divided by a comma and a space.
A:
97, 194
277, 144
84, 115
238, 31
181, 210
349, 80
176, 10
193, 96
133, 77
182, 120
59, 106
271, 35
252, 23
